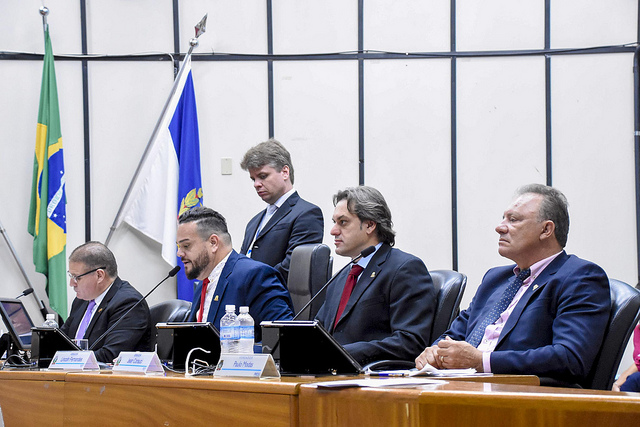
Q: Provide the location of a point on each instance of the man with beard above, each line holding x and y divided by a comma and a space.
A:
204, 246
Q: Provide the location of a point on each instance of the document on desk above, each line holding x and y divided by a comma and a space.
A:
379, 382
427, 371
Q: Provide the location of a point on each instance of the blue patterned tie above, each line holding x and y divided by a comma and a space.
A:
478, 333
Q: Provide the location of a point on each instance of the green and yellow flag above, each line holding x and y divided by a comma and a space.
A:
47, 213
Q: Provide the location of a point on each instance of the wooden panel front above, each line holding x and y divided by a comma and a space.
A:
31, 399
466, 404
110, 400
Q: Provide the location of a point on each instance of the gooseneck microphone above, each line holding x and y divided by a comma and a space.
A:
172, 273
365, 253
25, 293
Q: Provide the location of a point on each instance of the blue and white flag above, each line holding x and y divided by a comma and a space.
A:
169, 182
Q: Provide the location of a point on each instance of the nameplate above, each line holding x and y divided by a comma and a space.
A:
246, 365
74, 361
146, 363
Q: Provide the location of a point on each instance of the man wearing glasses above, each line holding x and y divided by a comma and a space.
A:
101, 299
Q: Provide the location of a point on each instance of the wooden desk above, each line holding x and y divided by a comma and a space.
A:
32, 398
467, 404
125, 400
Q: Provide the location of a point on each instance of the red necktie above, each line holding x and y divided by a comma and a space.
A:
352, 278
203, 295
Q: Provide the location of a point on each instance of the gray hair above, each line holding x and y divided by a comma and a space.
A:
208, 222
271, 153
554, 207
368, 204
95, 255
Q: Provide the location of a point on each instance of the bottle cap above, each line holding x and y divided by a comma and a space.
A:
230, 307
51, 316
244, 309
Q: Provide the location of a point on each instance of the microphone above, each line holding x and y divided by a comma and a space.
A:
25, 293
365, 253
172, 273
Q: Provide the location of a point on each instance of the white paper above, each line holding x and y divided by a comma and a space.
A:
379, 382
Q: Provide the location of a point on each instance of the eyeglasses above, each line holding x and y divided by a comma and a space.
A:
76, 278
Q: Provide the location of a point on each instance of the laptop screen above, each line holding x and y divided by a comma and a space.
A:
17, 321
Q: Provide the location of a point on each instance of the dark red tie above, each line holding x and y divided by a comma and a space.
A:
352, 278
203, 295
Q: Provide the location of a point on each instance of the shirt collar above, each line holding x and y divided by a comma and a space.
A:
217, 270
100, 297
538, 267
284, 197
363, 262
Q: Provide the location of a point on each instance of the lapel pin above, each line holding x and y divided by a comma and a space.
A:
373, 274
216, 298
100, 310
535, 287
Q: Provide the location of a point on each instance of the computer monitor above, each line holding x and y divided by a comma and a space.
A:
177, 339
45, 342
306, 348
17, 321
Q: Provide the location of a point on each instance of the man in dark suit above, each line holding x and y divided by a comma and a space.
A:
204, 245
101, 299
544, 316
383, 308
288, 221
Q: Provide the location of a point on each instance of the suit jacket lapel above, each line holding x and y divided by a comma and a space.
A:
533, 289
252, 228
103, 304
279, 214
366, 278
221, 287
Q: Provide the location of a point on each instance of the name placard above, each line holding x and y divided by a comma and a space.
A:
74, 361
140, 362
246, 365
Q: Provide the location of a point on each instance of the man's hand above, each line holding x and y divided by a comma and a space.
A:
459, 355
450, 354
429, 356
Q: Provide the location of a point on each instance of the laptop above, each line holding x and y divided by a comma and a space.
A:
307, 348
17, 321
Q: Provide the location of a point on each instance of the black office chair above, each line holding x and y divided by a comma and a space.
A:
311, 266
625, 314
173, 310
450, 286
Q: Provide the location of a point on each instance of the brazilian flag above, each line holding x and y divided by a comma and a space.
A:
47, 213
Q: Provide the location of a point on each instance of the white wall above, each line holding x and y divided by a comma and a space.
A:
500, 111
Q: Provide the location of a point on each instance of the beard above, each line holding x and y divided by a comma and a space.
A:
197, 265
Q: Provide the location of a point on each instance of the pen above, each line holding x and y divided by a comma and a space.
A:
387, 374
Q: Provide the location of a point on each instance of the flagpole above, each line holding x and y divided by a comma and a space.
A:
193, 43
43, 309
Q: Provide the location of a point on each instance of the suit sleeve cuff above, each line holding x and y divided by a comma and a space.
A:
486, 361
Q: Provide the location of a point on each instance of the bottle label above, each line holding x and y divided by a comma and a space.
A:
227, 333
246, 331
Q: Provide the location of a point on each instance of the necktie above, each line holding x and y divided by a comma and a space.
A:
502, 304
271, 209
352, 278
203, 295
85, 320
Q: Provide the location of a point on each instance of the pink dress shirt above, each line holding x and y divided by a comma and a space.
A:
493, 331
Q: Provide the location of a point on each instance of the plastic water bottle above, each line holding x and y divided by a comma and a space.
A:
50, 322
229, 331
246, 330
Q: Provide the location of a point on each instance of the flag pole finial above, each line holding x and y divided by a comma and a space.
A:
201, 27
44, 11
